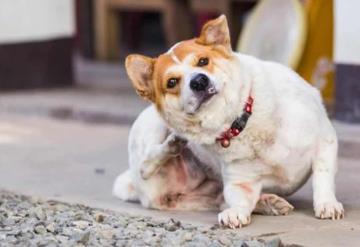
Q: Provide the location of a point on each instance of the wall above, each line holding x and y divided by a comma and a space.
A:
347, 59
36, 41
34, 20
347, 31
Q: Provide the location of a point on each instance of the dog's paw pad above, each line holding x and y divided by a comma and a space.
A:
176, 144
234, 218
330, 210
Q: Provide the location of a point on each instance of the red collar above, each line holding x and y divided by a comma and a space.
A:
237, 126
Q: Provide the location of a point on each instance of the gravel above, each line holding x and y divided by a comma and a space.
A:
29, 221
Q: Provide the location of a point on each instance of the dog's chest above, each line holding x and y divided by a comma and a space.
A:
268, 155
247, 146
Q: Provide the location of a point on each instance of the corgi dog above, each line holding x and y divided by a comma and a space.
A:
265, 126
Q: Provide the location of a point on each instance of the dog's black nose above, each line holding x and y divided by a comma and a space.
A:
199, 82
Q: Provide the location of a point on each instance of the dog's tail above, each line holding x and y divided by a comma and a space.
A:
124, 188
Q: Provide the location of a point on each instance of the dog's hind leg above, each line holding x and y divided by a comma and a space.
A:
158, 154
123, 187
207, 196
271, 204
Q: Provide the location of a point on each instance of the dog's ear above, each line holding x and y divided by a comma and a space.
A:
216, 33
140, 70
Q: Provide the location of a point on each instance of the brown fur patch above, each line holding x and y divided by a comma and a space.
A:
245, 187
216, 33
162, 64
140, 70
150, 76
169, 200
165, 61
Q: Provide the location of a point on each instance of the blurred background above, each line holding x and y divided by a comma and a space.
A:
66, 104
81, 44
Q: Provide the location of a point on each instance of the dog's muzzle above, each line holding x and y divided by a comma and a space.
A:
199, 83
202, 88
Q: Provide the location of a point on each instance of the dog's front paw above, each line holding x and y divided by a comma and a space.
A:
234, 217
175, 144
329, 210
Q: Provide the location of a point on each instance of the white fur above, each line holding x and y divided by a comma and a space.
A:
151, 180
172, 54
138, 148
287, 136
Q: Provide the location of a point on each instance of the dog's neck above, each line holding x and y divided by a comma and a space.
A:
238, 125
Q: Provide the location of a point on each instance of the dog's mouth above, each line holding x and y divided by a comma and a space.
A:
210, 92
205, 96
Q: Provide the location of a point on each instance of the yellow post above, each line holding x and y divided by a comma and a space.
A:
316, 65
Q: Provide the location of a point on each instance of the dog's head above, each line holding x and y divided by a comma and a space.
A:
189, 80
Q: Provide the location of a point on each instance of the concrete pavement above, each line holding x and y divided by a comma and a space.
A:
77, 162
87, 105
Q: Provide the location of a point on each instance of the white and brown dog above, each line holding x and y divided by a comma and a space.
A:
264, 126
167, 173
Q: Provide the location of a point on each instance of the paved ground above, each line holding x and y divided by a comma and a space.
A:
97, 106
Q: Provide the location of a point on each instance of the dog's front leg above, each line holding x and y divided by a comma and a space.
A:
326, 205
241, 193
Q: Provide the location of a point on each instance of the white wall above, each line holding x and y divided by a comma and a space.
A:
35, 20
347, 31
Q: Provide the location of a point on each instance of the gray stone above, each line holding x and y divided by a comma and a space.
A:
107, 233
82, 238
40, 229
187, 236
39, 213
274, 243
81, 224
50, 227
7, 228
253, 243
67, 231
172, 225
224, 240
62, 239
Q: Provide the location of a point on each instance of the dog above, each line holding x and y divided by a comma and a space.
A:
168, 173
266, 126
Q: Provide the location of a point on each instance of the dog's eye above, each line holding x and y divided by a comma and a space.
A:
203, 61
172, 82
